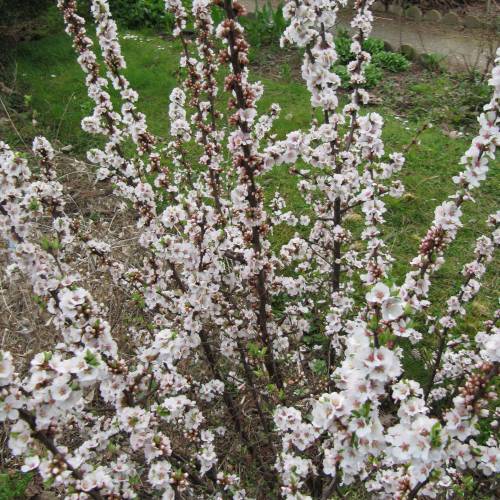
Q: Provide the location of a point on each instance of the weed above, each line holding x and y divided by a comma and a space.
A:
373, 75
381, 59
343, 48
13, 485
141, 14
286, 71
391, 61
433, 62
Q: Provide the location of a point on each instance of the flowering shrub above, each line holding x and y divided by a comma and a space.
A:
217, 394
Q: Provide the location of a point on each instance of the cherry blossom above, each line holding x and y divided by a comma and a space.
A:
252, 369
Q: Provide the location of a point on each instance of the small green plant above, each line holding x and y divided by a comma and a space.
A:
391, 61
374, 46
343, 47
265, 26
432, 62
373, 75
341, 71
319, 367
381, 59
13, 486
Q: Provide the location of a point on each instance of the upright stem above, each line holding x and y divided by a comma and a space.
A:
252, 198
214, 177
442, 341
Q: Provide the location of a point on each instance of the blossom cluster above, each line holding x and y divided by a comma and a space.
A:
256, 370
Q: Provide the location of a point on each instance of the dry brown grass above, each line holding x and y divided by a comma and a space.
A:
25, 328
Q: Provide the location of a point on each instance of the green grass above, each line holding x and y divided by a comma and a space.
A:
60, 102
450, 99
48, 73
13, 486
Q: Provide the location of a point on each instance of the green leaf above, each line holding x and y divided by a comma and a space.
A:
162, 412
33, 205
91, 359
319, 367
49, 244
436, 440
138, 298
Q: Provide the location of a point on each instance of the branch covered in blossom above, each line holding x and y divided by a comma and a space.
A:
256, 370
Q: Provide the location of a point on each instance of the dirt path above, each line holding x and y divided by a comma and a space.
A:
462, 48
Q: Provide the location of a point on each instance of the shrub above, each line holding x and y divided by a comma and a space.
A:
141, 13
380, 59
432, 62
251, 371
373, 76
264, 26
15, 10
391, 61
373, 46
343, 74
343, 47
